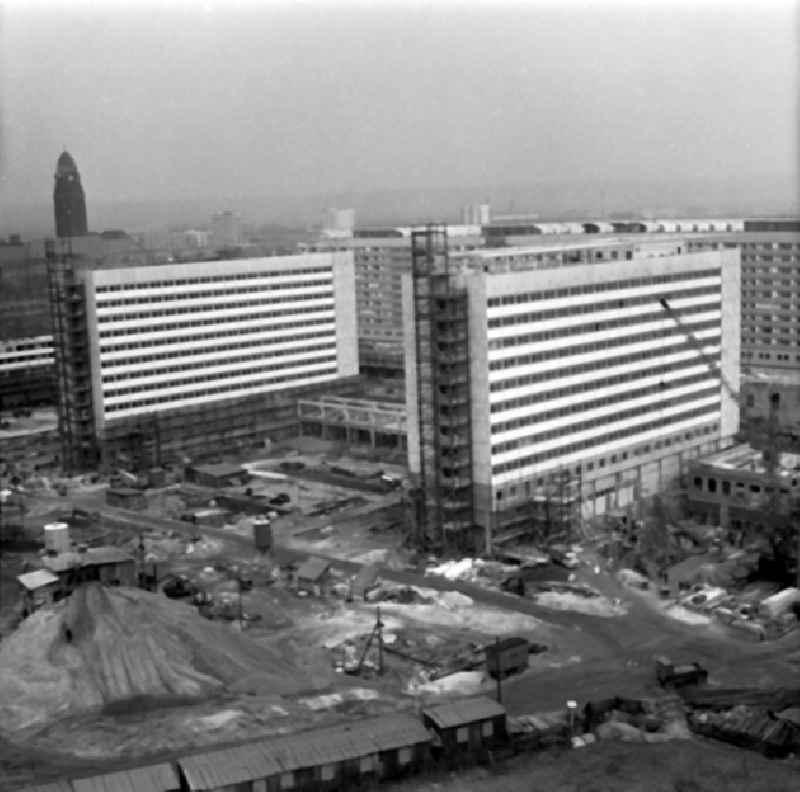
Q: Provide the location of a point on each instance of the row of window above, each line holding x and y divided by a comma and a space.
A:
205, 364
239, 276
163, 400
555, 480
199, 295
596, 365
587, 445
655, 314
265, 344
29, 358
179, 383
589, 386
235, 333
325, 298
582, 406
215, 320
596, 346
740, 486
594, 288
582, 426
610, 305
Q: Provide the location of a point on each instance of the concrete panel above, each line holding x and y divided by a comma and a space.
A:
731, 339
344, 290
410, 358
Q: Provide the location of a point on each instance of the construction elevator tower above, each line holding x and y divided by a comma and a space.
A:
442, 370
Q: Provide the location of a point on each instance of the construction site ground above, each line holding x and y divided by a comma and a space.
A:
589, 655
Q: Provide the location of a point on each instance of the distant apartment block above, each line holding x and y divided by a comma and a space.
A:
381, 256
226, 230
546, 384
157, 361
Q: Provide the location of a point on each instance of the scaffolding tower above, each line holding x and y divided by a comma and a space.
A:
71, 352
444, 511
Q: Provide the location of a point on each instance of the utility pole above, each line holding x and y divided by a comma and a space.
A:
379, 628
497, 670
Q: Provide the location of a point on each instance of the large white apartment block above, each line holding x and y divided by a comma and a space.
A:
178, 335
576, 369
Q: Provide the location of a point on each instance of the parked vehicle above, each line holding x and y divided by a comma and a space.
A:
670, 675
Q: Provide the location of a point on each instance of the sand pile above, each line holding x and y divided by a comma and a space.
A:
105, 645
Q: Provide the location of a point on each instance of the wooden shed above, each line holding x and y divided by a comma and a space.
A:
217, 475
109, 565
151, 778
126, 498
62, 785
222, 770
467, 727
38, 589
313, 576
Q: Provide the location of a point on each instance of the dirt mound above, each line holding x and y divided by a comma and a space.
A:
105, 645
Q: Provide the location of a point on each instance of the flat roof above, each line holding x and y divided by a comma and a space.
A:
93, 556
36, 579
219, 469
744, 457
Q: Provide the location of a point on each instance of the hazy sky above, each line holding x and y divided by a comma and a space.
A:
227, 99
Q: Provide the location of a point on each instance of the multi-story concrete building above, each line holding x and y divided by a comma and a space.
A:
158, 361
551, 377
381, 257
770, 251
26, 371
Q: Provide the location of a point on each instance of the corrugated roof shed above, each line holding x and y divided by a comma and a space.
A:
313, 568
37, 579
151, 778
395, 731
459, 713
230, 766
61, 785
321, 746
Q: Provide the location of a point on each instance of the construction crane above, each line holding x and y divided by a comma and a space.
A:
377, 633
770, 451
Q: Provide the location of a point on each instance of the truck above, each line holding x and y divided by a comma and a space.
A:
507, 656
670, 675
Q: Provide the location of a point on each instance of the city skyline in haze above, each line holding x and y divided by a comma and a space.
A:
620, 105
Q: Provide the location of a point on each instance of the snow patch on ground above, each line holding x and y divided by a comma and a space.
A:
215, 721
330, 700
686, 616
453, 609
371, 557
462, 683
592, 606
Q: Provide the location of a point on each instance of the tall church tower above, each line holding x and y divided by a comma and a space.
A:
69, 201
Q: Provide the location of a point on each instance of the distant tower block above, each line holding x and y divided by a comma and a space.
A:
338, 223
56, 537
476, 214
69, 201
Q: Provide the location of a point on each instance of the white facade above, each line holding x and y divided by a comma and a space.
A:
576, 368
170, 336
583, 361
19, 354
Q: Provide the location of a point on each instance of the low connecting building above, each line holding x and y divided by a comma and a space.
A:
549, 384
734, 489
156, 362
